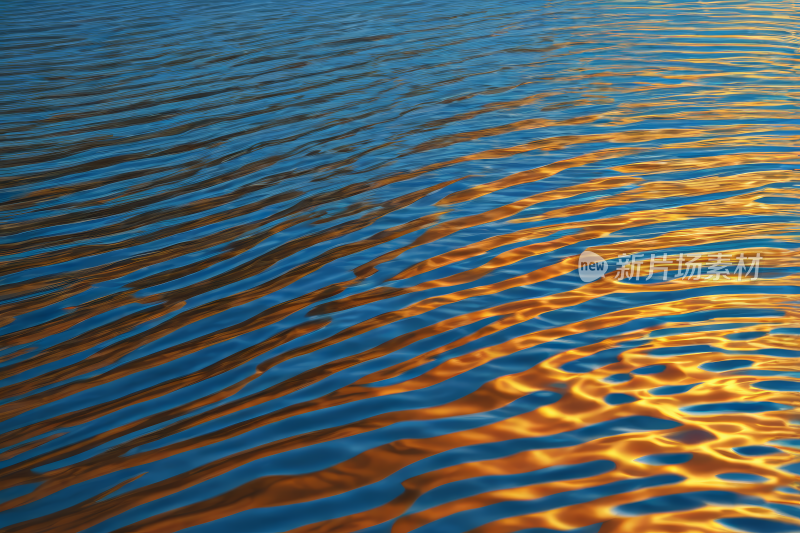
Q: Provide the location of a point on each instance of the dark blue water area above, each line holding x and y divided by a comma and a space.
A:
264, 266
684, 502
759, 525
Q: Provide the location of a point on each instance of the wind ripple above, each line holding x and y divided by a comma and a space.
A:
314, 266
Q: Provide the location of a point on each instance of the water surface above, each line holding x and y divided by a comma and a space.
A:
314, 266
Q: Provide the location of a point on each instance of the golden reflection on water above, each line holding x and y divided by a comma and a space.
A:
661, 139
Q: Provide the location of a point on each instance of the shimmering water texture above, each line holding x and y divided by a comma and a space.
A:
313, 266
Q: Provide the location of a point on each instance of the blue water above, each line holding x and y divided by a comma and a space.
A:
317, 266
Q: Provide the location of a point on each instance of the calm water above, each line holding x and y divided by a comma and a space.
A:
314, 266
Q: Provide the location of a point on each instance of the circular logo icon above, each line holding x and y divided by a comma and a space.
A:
591, 266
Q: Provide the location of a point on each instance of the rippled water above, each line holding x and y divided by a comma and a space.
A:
314, 266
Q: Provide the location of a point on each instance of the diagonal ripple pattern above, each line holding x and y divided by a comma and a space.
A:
316, 266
